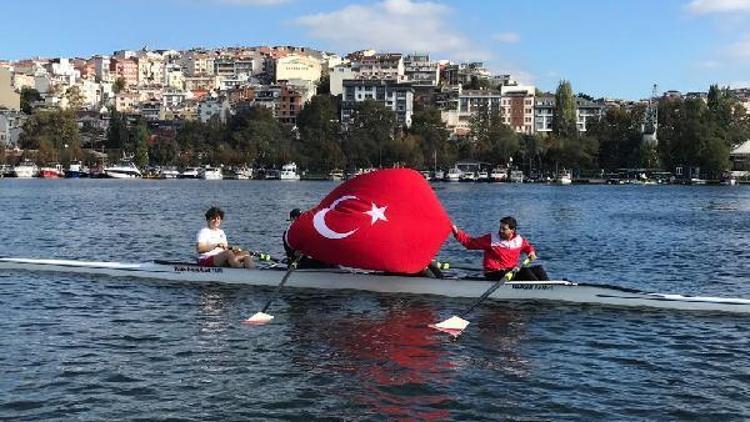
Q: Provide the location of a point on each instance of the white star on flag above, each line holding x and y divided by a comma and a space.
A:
377, 213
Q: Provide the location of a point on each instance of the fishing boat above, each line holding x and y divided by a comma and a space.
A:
337, 279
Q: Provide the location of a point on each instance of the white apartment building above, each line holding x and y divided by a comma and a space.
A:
297, 67
420, 71
544, 113
337, 77
397, 97
101, 69
150, 68
380, 67
173, 77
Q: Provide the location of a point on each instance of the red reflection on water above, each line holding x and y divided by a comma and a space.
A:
404, 365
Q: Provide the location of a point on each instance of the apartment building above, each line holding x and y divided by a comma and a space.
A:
395, 96
297, 67
9, 98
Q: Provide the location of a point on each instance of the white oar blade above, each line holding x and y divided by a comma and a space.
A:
259, 318
454, 325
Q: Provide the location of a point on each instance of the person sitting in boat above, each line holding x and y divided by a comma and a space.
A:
304, 261
502, 251
212, 247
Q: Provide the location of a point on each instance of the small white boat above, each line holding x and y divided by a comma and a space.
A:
336, 175
190, 173
26, 169
564, 177
498, 174
343, 279
289, 172
468, 176
123, 170
483, 176
516, 176
454, 174
439, 175
168, 173
211, 173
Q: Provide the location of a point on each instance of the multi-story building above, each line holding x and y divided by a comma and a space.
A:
11, 126
173, 77
586, 112
338, 75
211, 107
9, 98
297, 67
465, 104
102, 69
544, 113
150, 68
124, 68
420, 71
380, 67
395, 96
198, 63
517, 107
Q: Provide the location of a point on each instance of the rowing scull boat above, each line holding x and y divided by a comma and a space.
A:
555, 290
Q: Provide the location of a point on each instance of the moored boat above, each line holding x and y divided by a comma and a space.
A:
454, 174
76, 170
336, 279
498, 174
211, 173
26, 169
123, 170
52, 171
336, 175
564, 177
289, 172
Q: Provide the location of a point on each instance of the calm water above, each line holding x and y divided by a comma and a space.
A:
91, 348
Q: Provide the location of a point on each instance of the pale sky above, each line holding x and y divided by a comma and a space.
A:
605, 48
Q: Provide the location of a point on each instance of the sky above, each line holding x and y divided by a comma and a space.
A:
616, 49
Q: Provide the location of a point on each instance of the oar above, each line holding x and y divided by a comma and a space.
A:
260, 318
455, 325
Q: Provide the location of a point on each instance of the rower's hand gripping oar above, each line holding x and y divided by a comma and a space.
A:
260, 318
455, 325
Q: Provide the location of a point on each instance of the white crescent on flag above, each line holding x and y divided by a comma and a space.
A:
319, 221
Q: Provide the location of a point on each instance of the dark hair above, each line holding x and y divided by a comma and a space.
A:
214, 212
294, 213
509, 221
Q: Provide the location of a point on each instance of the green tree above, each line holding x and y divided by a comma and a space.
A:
139, 137
429, 126
491, 139
318, 129
564, 123
117, 131
28, 97
75, 98
53, 131
372, 129
118, 85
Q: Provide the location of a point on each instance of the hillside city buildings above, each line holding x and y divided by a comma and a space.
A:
201, 84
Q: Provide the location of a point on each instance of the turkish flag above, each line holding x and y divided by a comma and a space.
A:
388, 220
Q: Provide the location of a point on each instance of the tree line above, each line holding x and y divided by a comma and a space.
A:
691, 132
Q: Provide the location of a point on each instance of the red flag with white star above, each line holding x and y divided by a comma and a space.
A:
388, 220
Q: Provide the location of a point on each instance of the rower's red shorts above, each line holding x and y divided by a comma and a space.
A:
206, 261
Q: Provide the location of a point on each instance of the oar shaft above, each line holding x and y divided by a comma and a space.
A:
292, 267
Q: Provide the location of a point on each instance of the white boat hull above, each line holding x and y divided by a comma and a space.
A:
559, 291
